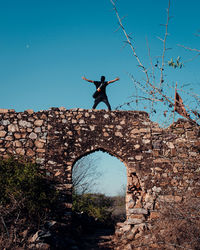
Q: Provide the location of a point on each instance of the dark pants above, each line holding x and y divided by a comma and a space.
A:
101, 99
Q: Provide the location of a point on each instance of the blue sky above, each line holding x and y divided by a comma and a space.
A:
46, 46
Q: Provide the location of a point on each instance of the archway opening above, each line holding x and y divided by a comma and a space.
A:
99, 191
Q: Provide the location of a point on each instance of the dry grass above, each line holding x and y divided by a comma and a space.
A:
179, 225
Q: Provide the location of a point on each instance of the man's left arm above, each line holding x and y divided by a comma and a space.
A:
114, 80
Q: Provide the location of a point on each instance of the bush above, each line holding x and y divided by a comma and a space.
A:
27, 199
96, 205
25, 185
179, 225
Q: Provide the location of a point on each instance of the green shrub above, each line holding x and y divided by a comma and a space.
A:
24, 184
96, 205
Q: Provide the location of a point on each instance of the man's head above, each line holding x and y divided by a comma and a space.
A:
103, 78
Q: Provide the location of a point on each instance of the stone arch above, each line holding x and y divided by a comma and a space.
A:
96, 149
134, 188
154, 156
111, 154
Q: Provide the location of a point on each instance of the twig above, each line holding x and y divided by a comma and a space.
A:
153, 74
17, 217
129, 41
174, 102
188, 48
147, 98
4, 224
192, 58
139, 84
164, 46
188, 93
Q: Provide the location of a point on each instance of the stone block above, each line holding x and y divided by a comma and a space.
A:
40, 150
38, 123
20, 151
33, 136
25, 124
30, 152
138, 211
37, 130
137, 216
158, 169
3, 133
144, 130
125, 228
131, 221
137, 146
62, 109
138, 157
170, 198
39, 144
13, 128
157, 189
30, 111
17, 135
17, 144
170, 145
119, 134
105, 134
161, 160
135, 131
9, 138
5, 122
157, 130
147, 141
3, 111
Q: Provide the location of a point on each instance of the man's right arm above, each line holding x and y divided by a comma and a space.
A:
116, 79
83, 77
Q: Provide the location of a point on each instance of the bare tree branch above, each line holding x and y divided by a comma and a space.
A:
154, 91
129, 41
164, 46
4, 224
188, 48
85, 174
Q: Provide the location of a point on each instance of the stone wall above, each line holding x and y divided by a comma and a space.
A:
162, 164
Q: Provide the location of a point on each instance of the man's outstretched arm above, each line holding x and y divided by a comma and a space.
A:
83, 77
116, 79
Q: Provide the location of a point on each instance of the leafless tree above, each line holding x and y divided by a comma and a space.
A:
157, 94
85, 174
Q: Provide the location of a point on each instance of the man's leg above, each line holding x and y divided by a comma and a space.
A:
105, 100
96, 102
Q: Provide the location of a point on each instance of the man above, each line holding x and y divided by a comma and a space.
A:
100, 94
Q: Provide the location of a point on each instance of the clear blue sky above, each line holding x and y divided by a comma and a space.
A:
47, 45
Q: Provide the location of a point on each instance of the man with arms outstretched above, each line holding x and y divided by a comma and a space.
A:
100, 94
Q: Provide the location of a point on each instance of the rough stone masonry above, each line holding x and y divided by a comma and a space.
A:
162, 164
